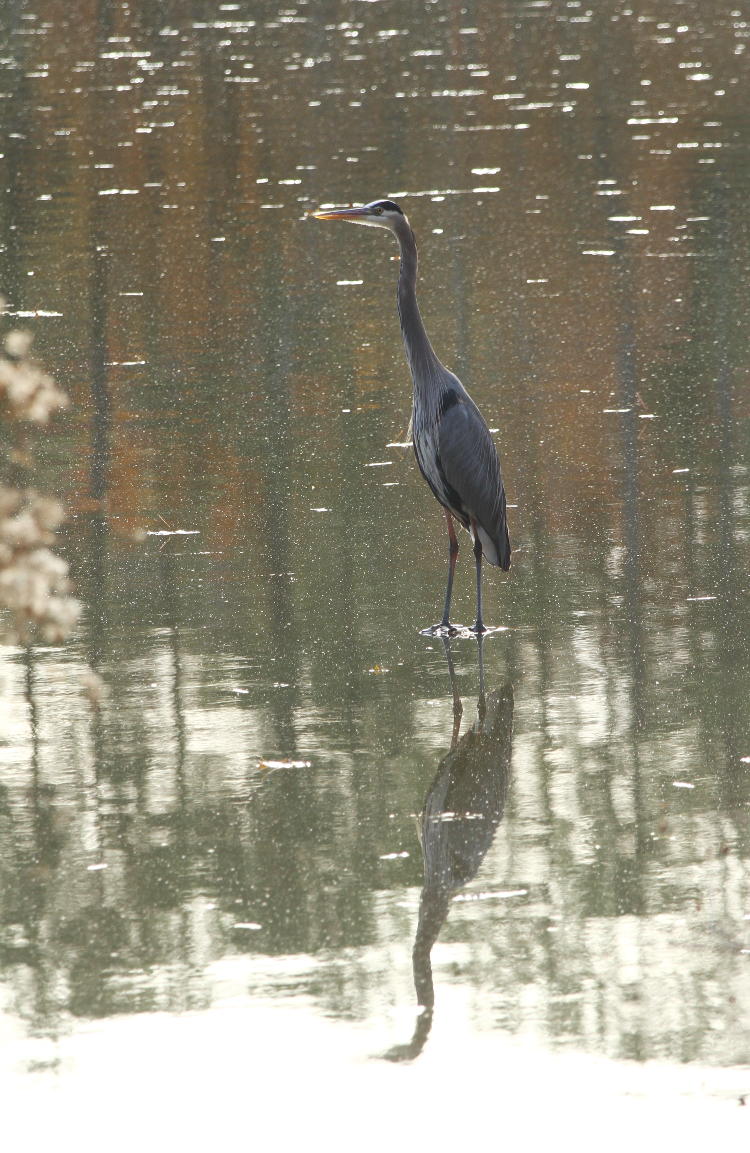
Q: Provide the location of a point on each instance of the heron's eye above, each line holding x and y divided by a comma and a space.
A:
378, 211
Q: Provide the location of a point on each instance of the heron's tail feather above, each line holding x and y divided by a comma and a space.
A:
496, 550
505, 549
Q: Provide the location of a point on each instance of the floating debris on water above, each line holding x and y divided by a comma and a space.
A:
392, 856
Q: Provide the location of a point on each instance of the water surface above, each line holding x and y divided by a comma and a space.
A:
234, 827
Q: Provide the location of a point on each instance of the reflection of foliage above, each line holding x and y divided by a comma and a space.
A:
34, 583
95, 937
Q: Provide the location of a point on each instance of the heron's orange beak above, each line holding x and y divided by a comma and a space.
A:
354, 214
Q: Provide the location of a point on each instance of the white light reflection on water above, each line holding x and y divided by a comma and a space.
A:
208, 1077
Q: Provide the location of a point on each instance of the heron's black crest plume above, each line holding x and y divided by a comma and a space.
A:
389, 204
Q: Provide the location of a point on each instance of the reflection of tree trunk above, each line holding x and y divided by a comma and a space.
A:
729, 577
626, 369
182, 849
14, 144
612, 96
273, 407
101, 414
172, 611
96, 554
33, 724
627, 376
43, 859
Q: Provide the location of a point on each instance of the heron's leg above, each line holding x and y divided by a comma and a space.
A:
478, 626
452, 554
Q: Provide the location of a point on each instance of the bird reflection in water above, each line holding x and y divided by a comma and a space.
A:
459, 819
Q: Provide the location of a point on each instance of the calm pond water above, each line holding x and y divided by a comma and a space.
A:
275, 834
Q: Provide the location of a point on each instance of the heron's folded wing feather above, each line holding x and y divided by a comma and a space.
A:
469, 462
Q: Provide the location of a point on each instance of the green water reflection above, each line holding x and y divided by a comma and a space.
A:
248, 788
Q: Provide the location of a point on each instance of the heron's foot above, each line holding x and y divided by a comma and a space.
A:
444, 629
483, 630
478, 628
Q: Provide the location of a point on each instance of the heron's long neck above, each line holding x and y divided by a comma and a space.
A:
419, 351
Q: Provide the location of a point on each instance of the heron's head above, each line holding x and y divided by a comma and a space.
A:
379, 214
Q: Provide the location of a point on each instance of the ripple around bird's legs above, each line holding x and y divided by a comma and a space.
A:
462, 631
444, 631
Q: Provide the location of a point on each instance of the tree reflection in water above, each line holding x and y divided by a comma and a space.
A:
460, 816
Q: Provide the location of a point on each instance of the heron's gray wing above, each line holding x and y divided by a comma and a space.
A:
469, 463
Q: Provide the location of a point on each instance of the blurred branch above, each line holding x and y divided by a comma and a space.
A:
34, 584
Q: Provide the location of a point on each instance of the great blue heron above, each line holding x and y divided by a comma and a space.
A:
453, 446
